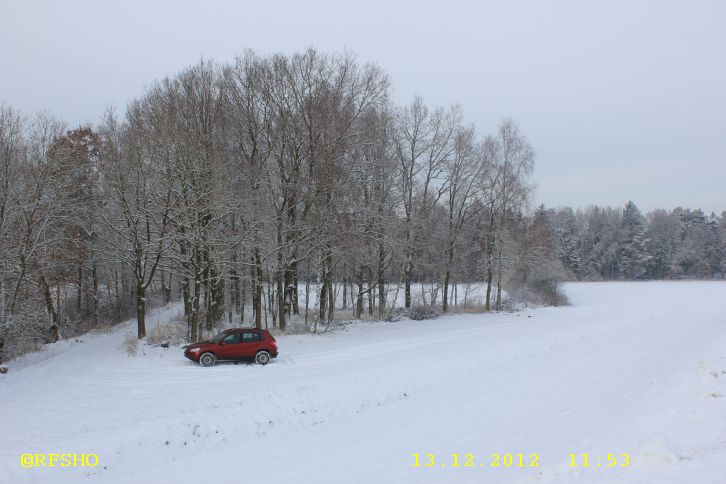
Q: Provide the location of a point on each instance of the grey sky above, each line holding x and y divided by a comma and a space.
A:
621, 99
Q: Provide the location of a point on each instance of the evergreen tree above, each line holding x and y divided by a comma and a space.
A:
633, 258
664, 229
568, 240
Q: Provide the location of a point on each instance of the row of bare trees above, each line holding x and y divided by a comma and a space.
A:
279, 188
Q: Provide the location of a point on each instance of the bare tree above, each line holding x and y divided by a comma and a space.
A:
462, 174
423, 144
512, 162
141, 201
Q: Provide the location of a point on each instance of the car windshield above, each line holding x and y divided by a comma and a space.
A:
218, 338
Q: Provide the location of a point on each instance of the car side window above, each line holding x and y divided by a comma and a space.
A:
250, 337
231, 339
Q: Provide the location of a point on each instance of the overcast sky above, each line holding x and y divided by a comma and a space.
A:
620, 99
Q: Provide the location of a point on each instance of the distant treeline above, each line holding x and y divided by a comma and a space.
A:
612, 243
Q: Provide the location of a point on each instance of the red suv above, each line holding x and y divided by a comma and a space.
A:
234, 344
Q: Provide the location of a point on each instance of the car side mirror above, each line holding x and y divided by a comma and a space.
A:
221, 343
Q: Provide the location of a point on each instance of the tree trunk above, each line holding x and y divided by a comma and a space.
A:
58, 298
271, 301
206, 281
234, 277
80, 283
490, 275
166, 287
371, 298
323, 297
295, 296
307, 295
141, 310
280, 276
186, 294
257, 295
359, 298
53, 330
445, 300
331, 299
194, 335
94, 270
326, 291
281, 300
117, 296
215, 292
345, 294
407, 279
381, 280
490, 271
242, 303
499, 277
291, 286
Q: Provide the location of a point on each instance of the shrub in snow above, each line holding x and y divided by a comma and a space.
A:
419, 313
132, 344
395, 315
539, 283
549, 290
172, 333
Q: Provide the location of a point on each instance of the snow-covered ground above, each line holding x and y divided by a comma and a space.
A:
629, 368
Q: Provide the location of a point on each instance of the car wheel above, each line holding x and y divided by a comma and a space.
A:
262, 358
207, 359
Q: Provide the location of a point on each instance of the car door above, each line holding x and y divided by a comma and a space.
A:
250, 343
229, 347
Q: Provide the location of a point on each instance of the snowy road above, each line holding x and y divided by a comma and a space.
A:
630, 368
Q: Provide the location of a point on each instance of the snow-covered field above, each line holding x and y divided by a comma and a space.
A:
630, 368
